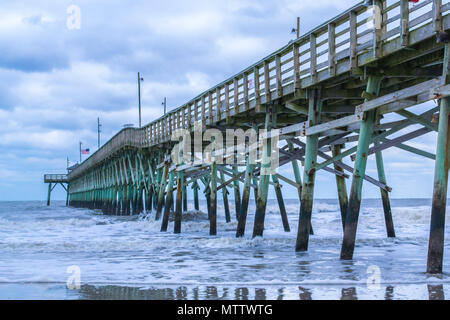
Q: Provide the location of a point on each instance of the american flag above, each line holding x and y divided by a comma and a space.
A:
85, 151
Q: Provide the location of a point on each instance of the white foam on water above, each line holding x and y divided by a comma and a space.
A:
37, 244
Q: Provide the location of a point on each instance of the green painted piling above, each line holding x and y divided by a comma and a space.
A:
341, 186
245, 199
437, 224
49, 193
237, 192
169, 200
196, 203
304, 225
389, 222
263, 188
365, 137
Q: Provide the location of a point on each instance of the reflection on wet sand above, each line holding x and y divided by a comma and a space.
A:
436, 292
210, 292
389, 293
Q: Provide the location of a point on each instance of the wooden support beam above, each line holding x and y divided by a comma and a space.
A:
297, 108
353, 42
415, 118
185, 198
226, 205
195, 187
162, 190
279, 195
261, 200
404, 22
389, 222
267, 92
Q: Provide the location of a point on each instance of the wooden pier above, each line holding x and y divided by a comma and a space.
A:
323, 97
53, 180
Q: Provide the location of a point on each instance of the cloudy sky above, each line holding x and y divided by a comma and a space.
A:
56, 81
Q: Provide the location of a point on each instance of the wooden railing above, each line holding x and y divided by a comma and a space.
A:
342, 44
55, 178
337, 46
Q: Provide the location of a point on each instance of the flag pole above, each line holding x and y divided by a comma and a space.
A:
80, 152
98, 131
139, 98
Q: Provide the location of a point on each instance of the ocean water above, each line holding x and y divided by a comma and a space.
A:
126, 257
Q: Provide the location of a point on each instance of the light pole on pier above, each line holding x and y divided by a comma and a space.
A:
297, 30
139, 97
164, 103
98, 131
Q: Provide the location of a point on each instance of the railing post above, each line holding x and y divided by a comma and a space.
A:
279, 79
257, 89
225, 199
227, 103
245, 83
210, 105
267, 82
378, 29
437, 15
341, 186
353, 42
